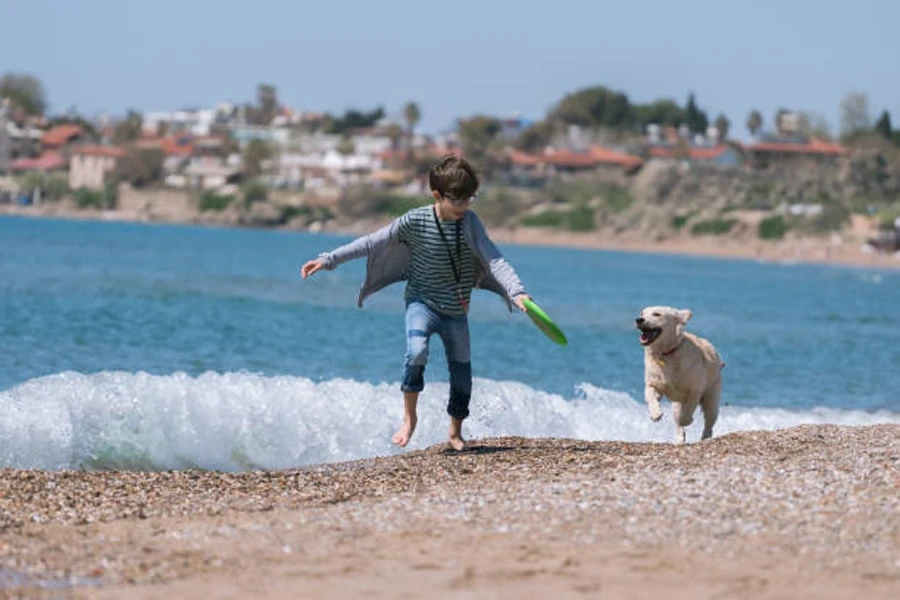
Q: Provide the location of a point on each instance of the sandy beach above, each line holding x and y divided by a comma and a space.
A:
807, 512
790, 251
804, 250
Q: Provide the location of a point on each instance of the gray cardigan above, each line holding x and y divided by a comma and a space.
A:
388, 260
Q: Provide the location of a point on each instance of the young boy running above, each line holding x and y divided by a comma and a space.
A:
442, 251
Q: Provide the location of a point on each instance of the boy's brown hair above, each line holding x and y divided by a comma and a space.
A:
453, 177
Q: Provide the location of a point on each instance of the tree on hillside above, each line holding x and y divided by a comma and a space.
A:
535, 138
25, 92
411, 114
596, 106
345, 145
779, 120
883, 125
696, 119
478, 136
722, 124
352, 119
754, 122
663, 112
267, 102
855, 114
255, 153
129, 129
394, 133
141, 167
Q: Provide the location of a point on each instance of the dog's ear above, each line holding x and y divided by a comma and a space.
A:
684, 315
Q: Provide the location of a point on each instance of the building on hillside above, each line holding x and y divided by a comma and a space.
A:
196, 122
47, 162
59, 137
90, 166
532, 170
794, 150
211, 174
16, 142
718, 154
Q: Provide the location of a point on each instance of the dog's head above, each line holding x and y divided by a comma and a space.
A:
662, 326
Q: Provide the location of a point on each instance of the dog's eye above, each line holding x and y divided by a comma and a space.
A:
657, 315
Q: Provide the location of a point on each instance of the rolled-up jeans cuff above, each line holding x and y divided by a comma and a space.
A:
413, 378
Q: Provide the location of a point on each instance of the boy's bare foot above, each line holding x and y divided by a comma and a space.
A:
403, 435
457, 443
456, 439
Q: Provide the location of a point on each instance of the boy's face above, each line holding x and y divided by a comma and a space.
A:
450, 210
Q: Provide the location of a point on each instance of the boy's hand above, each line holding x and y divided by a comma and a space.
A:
518, 300
311, 267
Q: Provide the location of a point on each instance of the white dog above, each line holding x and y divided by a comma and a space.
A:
683, 367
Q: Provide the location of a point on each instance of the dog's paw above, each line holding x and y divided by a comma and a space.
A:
655, 415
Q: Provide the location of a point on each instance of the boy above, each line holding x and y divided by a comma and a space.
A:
443, 252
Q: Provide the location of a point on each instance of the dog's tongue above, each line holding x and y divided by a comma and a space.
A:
644, 336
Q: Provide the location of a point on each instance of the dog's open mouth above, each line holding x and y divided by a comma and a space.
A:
649, 335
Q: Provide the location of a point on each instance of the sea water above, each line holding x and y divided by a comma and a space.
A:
143, 346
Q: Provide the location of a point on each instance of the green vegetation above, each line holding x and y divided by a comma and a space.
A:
312, 213
579, 218
679, 221
772, 228
395, 205
214, 202
105, 199
53, 187
618, 199
888, 214
550, 218
255, 191
713, 226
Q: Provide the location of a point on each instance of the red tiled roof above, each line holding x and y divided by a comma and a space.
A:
171, 145
607, 156
596, 155
61, 134
94, 150
568, 158
701, 153
45, 162
814, 146
523, 158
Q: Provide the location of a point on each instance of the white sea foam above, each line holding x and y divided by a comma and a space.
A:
243, 421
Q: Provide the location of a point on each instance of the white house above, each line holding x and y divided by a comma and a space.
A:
90, 165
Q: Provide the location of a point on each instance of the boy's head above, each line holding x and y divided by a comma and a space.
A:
453, 178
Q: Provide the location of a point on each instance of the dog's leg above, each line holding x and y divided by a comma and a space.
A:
683, 416
710, 405
651, 397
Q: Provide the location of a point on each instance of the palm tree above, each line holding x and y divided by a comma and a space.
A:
412, 115
754, 122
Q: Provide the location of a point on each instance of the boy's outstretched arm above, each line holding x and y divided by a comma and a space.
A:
311, 267
499, 266
361, 246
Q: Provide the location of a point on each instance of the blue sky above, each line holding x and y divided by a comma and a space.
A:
457, 58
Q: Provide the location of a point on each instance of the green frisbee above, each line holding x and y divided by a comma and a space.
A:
544, 322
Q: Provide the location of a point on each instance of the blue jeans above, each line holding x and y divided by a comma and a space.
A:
421, 322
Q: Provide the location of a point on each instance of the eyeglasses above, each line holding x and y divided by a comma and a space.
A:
461, 201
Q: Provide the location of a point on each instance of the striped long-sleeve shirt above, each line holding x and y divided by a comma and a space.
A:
437, 260
389, 259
